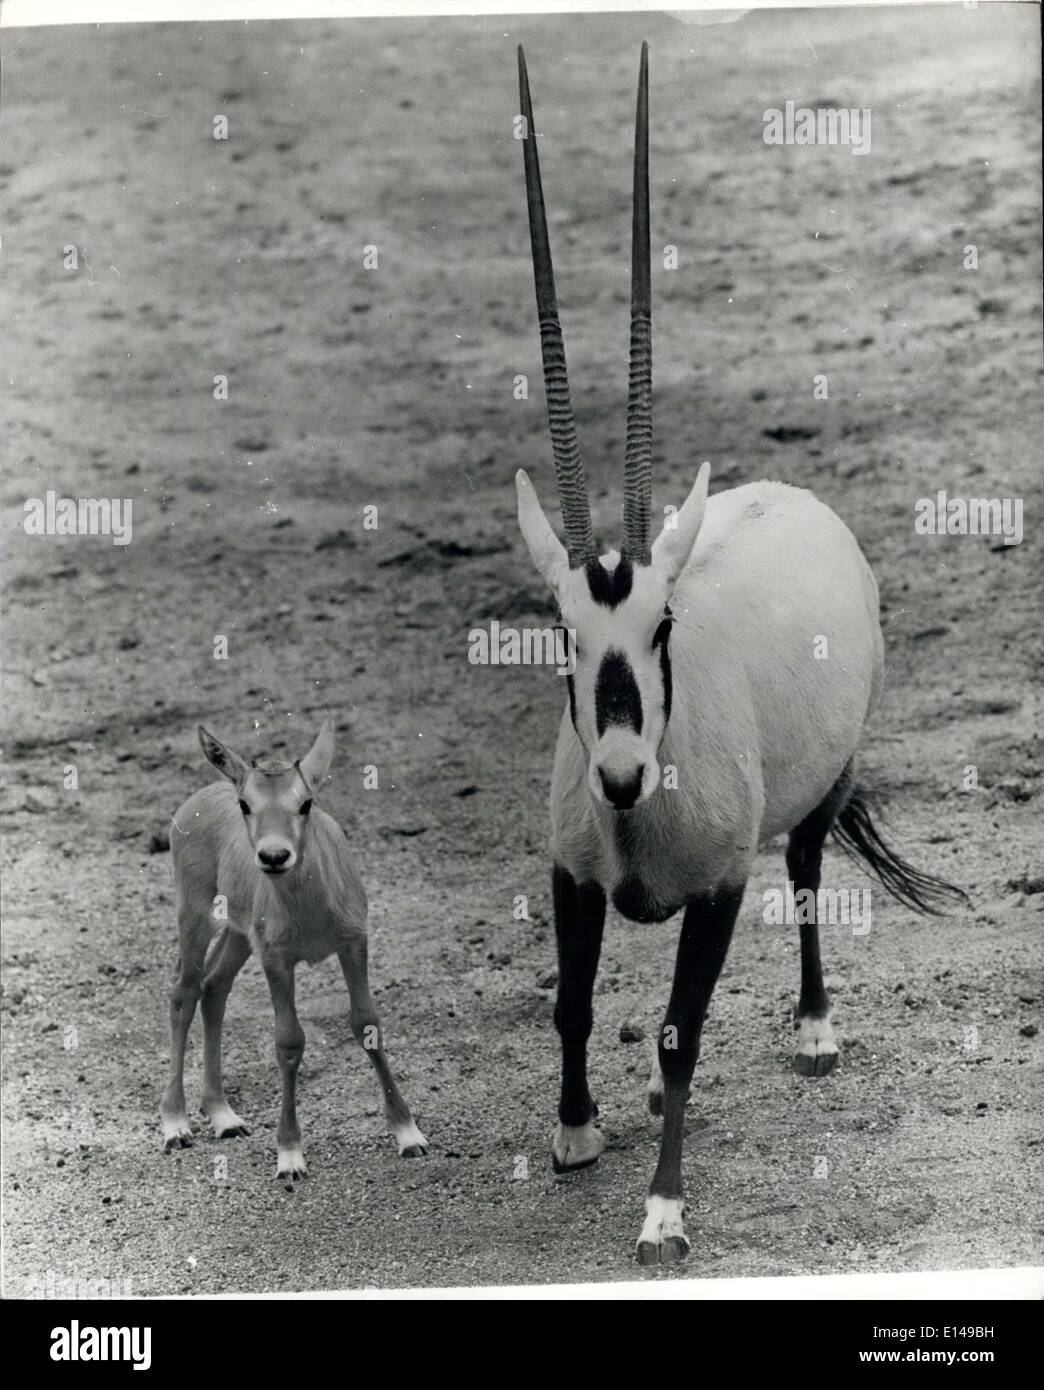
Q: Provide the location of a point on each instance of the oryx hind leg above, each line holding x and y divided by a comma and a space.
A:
817, 1050
227, 959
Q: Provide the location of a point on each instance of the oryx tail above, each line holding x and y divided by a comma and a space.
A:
856, 833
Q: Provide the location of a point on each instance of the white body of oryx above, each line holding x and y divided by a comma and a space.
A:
777, 659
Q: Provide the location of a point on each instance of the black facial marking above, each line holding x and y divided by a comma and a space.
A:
665, 676
663, 632
617, 698
609, 587
244, 807
662, 640
572, 699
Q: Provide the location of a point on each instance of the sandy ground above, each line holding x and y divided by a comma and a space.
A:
393, 387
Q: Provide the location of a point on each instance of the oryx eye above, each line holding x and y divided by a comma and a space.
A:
306, 806
244, 807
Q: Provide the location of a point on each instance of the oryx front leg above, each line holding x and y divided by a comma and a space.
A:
704, 943
366, 1027
579, 919
289, 1042
229, 958
194, 933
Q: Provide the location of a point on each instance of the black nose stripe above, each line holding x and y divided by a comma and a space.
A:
617, 698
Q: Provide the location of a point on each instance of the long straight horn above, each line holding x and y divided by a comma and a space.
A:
638, 460
572, 485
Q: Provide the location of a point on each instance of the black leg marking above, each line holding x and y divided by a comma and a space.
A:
704, 943
579, 919
702, 947
804, 863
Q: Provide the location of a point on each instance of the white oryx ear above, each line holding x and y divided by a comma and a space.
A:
316, 762
548, 552
673, 546
229, 764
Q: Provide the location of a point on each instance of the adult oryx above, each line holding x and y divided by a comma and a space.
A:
695, 656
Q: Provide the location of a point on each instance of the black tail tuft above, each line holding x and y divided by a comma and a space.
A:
858, 836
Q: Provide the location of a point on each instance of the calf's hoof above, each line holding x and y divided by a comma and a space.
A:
291, 1165
227, 1124
177, 1134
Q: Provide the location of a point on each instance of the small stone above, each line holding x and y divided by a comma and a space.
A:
1028, 1030
547, 979
631, 1032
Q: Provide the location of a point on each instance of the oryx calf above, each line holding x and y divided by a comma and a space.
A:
695, 656
279, 866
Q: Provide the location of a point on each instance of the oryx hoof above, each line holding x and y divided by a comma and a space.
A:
227, 1124
670, 1252
575, 1147
177, 1134
663, 1240
411, 1142
817, 1051
236, 1131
